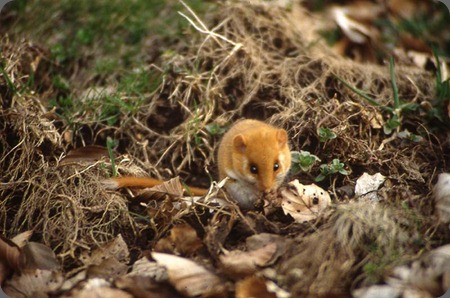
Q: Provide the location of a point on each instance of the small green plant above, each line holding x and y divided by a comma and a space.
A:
302, 161
214, 129
336, 166
326, 134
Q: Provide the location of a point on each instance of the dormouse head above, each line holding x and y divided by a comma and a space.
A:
262, 157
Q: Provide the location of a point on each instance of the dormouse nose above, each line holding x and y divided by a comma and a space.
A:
267, 185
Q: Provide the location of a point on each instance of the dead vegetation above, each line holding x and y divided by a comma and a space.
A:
255, 61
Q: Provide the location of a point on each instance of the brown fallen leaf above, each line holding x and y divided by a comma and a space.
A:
190, 278
304, 202
116, 248
17, 256
141, 286
108, 268
10, 258
238, 264
87, 154
182, 240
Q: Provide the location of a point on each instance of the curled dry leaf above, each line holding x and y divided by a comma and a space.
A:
10, 258
188, 277
441, 193
356, 31
238, 263
304, 202
22, 238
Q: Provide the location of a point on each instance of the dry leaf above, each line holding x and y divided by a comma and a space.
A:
355, 31
108, 268
87, 154
188, 277
97, 287
430, 275
441, 193
33, 283
39, 256
304, 202
144, 287
116, 248
377, 291
10, 258
253, 287
238, 263
22, 238
182, 240
155, 271
367, 186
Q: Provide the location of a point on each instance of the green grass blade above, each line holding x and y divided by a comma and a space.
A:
8, 80
363, 95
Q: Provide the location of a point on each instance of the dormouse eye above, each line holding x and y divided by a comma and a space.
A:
276, 166
254, 169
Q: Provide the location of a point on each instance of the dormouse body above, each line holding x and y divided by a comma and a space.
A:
256, 157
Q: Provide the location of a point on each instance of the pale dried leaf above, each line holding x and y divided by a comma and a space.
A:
97, 287
355, 31
33, 283
304, 202
431, 273
367, 186
144, 267
188, 277
22, 238
441, 193
377, 291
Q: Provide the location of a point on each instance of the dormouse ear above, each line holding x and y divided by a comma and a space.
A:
240, 143
282, 137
